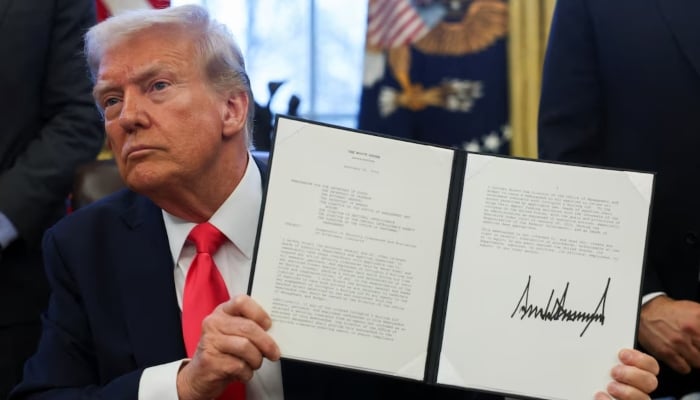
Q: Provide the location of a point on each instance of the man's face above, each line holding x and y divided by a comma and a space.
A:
163, 121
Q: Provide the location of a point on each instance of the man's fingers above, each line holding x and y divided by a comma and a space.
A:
245, 339
239, 367
669, 330
694, 360
243, 349
645, 381
624, 392
245, 319
636, 358
602, 396
231, 348
635, 377
676, 361
244, 306
664, 346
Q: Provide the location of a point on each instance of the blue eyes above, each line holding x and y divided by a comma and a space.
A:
155, 87
160, 85
111, 101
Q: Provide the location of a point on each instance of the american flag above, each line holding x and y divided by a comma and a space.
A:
105, 8
392, 23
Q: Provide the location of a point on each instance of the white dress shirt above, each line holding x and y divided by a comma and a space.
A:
238, 220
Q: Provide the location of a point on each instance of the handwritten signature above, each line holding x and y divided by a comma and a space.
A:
557, 311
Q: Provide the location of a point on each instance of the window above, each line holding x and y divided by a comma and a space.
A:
315, 46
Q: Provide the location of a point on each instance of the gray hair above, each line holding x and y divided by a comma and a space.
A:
216, 47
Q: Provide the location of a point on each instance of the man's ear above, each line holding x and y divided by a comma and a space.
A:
235, 113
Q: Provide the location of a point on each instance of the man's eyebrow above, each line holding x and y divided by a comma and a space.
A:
144, 75
101, 87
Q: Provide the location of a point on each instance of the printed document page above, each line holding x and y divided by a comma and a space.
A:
349, 247
546, 277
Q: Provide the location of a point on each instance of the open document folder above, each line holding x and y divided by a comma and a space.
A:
490, 273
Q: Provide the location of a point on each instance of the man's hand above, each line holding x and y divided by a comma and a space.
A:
670, 331
233, 343
634, 378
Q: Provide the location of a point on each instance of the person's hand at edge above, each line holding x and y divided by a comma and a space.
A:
634, 378
670, 331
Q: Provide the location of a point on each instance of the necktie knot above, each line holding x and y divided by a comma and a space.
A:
206, 238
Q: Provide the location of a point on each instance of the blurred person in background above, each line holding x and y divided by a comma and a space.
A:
621, 88
49, 127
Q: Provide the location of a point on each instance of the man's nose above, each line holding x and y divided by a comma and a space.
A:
133, 115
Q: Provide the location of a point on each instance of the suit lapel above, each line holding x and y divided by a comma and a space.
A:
682, 17
151, 310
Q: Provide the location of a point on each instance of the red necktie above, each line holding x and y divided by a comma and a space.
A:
204, 290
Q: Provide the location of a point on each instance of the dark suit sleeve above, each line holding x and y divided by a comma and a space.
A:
65, 365
570, 112
71, 132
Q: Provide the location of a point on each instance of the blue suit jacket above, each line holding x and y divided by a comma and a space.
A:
621, 87
113, 312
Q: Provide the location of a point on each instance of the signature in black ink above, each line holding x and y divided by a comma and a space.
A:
558, 310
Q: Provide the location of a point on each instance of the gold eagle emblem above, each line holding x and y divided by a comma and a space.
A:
482, 23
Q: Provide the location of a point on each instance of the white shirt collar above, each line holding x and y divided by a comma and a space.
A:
237, 217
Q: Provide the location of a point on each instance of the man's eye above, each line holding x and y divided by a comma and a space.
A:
110, 101
160, 85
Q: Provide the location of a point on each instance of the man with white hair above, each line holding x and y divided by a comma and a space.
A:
149, 284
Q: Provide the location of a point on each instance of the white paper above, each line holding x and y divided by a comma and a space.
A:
532, 234
349, 247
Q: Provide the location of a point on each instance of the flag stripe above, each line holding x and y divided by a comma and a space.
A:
385, 15
402, 19
377, 15
409, 33
392, 23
